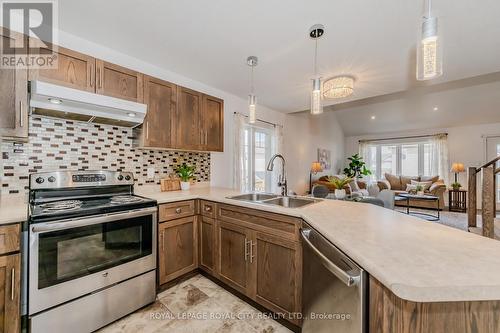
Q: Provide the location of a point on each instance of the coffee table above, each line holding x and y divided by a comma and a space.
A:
426, 197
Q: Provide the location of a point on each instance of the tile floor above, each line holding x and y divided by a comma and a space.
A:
196, 305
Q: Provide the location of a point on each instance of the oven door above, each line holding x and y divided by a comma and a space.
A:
72, 258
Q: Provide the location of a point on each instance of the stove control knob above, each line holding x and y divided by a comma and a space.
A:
51, 179
120, 177
127, 178
39, 180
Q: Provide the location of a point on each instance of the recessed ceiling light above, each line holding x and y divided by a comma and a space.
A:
130, 114
55, 101
373, 117
435, 108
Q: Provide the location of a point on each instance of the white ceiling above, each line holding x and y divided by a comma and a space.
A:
209, 41
459, 103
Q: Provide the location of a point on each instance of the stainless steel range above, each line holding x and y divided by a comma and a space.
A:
92, 250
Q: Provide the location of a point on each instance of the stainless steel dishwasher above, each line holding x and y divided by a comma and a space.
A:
334, 288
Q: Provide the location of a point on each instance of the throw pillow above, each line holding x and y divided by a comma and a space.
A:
411, 188
395, 181
425, 185
405, 180
431, 179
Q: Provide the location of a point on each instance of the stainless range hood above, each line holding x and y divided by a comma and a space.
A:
62, 102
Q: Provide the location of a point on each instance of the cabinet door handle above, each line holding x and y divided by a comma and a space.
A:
147, 129
246, 249
178, 210
252, 244
12, 284
208, 208
21, 114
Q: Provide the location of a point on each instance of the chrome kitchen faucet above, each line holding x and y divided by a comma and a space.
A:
282, 177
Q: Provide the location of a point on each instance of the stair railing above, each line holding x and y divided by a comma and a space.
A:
488, 196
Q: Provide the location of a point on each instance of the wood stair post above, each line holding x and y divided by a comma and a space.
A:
488, 202
472, 188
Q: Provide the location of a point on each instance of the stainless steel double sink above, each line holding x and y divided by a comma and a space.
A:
273, 199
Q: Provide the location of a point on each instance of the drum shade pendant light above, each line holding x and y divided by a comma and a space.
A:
252, 100
429, 48
315, 32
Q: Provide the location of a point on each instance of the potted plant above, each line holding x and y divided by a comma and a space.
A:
420, 190
456, 186
185, 173
356, 168
339, 184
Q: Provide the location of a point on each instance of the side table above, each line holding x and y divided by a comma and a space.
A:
457, 200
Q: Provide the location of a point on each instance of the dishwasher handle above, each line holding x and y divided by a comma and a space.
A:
347, 278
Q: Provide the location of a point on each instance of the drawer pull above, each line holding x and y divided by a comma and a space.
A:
208, 208
178, 210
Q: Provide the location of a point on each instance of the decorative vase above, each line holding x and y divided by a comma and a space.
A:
340, 194
185, 186
420, 193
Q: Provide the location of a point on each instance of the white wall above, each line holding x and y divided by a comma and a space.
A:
466, 144
303, 135
221, 163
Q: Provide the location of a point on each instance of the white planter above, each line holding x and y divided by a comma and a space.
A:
420, 193
185, 186
340, 194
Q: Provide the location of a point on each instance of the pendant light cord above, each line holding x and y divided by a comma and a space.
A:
429, 4
251, 81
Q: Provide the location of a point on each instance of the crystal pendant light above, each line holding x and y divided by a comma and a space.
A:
252, 100
315, 32
429, 48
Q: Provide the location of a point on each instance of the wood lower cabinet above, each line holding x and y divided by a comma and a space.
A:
74, 70
120, 82
212, 124
187, 119
10, 285
206, 246
277, 260
14, 93
233, 256
177, 248
389, 313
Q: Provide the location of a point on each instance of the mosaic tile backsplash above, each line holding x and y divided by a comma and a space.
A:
58, 144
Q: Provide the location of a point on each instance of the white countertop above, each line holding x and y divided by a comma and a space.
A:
417, 260
13, 208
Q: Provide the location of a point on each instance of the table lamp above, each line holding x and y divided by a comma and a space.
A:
315, 168
457, 168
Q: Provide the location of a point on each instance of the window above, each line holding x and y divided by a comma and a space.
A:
401, 158
258, 149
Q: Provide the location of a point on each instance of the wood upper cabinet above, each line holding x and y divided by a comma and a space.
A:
120, 82
74, 70
233, 259
14, 94
212, 123
206, 243
10, 285
158, 129
278, 273
177, 248
187, 120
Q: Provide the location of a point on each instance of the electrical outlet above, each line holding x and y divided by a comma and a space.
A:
151, 173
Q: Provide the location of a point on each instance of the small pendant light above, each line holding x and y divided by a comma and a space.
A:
252, 100
429, 48
315, 32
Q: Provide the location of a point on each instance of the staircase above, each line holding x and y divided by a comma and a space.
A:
490, 225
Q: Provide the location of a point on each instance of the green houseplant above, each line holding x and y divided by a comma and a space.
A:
420, 190
185, 173
357, 167
456, 186
339, 184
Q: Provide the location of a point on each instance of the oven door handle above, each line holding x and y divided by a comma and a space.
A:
81, 222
